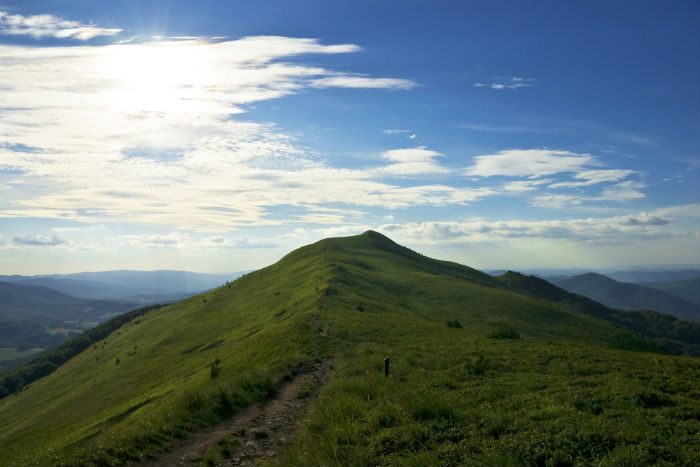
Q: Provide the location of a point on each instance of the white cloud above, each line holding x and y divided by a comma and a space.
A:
583, 170
39, 26
411, 161
617, 229
142, 132
506, 83
623, 192
530, 163
354, 81
38, 240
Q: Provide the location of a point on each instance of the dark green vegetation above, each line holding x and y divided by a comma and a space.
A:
626, 296
33, 318
675, 335
523, 381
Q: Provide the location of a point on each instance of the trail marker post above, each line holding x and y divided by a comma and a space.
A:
386, 365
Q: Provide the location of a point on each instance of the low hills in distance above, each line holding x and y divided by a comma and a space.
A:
628, 296
509, 370
688, 289
38, 312
130, 286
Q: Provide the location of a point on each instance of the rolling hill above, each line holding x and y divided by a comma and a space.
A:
482, 373
688, 289
34, 318
627, 296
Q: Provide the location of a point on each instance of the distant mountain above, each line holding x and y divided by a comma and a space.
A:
161, 282
143, 287
33, 318
626, 296
80, 288
654, 275
688, 289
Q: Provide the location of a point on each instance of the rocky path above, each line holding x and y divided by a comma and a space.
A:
255, 434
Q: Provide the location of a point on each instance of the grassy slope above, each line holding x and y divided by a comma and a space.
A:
360, 298
678, 336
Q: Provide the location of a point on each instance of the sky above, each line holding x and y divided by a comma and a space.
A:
217, 136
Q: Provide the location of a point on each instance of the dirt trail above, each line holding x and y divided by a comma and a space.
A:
258, 431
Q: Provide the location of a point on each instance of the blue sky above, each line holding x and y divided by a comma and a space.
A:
217, 136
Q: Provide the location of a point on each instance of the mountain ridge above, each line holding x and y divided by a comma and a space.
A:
628, 296
186, 365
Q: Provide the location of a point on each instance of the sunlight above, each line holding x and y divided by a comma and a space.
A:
165, 77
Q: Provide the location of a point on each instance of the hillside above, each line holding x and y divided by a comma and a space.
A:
688, 289
33, 318
678, 336
626, 296
511, 379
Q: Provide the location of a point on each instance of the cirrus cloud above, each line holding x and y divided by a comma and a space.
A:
39, 26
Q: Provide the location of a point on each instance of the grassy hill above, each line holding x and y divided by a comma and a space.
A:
627, 296
678, 336
513, 379
34, 318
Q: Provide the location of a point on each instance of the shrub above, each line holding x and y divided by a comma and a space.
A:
505, 333
214, 368
453, 323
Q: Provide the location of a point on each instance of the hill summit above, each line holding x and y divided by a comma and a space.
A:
483, 370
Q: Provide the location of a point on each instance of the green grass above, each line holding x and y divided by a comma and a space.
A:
463, 399
564, 392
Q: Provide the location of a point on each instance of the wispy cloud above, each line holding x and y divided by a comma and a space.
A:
565, 170
141, 132
529, 163
356, 81
616, 229
39, 26
499, 83
38, 240
412, 161
594, 177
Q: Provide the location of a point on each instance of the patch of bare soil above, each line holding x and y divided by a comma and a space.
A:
257, 433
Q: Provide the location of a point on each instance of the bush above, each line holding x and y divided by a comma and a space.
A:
505, 333
215, 369
453, 323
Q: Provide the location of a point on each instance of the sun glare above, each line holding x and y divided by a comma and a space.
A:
163, 77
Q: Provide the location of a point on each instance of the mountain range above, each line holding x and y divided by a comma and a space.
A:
484, 371
628, 296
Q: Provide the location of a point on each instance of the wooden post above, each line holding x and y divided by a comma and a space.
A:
386, 365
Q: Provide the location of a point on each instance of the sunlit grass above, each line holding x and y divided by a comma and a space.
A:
521, 382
